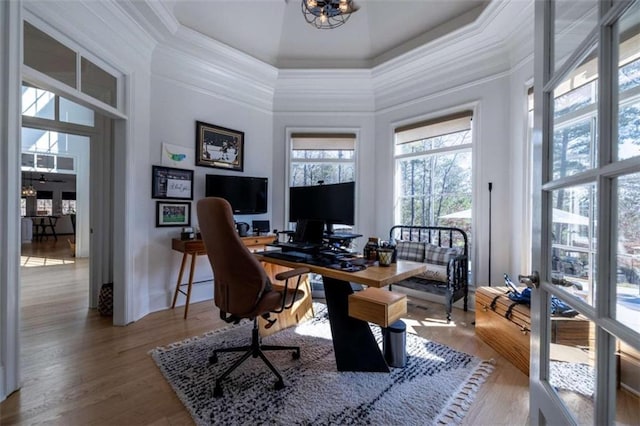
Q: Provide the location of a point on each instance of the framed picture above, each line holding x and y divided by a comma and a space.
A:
173, 213
219, 147
171, 183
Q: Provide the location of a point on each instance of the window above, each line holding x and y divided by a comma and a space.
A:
433, 183
48, 56
40, 103
44, 203
322, 157
68, 202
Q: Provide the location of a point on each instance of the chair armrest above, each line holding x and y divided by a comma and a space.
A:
290, 295
283, 276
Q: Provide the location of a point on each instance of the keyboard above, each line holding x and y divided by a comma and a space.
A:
290, 256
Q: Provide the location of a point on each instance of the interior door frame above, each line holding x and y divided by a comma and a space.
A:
545, 405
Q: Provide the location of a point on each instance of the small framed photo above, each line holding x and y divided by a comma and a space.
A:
171, 183
219, 147
173, 213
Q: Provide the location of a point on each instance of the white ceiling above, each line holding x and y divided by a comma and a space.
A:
275, 32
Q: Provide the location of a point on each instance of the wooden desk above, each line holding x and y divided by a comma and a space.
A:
196, 248
354, 345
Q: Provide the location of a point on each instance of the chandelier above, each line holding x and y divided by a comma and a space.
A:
327, 14
29, 190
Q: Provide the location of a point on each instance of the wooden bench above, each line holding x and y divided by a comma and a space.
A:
378, 306
445, 250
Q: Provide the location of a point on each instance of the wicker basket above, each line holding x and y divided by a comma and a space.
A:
105, 300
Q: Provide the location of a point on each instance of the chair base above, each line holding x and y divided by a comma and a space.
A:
255, 350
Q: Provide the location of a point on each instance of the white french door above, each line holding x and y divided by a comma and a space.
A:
586, 230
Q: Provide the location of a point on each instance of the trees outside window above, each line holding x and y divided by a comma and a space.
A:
328, 158
433, 173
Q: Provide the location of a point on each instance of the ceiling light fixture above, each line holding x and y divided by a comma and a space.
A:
327, 14
29, 191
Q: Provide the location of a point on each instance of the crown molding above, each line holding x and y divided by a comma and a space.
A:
154, 18
212, 78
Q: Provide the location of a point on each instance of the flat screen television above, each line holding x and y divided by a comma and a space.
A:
332, 203
247, 195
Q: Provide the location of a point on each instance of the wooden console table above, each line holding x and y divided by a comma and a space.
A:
196, 248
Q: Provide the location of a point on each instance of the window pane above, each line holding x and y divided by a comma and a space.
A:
38, 103
304, 174
44, 207
71, 112
574, 241
28, 160
322, 154
425, 145
574, 20
573, 148
430, 187
628, 252
98, 83
629, 78
64, 163
45, 54
572, 371
45, 161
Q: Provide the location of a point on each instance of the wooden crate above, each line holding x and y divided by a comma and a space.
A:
509, 337
378, 306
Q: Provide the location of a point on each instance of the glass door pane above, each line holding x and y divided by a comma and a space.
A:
628, 252
629, 85
574, 20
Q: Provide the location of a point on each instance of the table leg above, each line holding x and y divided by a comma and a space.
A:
354, 345
180, 274
52, 223
193, 267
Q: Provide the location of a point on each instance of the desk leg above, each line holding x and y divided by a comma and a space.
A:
354, 345
180, 274
193, 267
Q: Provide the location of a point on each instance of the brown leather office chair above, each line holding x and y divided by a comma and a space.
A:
242, 289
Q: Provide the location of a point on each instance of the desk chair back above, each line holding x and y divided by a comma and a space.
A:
239, 279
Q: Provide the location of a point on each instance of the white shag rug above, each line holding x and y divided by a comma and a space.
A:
437, 385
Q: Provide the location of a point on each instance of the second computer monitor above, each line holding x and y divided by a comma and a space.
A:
331, 203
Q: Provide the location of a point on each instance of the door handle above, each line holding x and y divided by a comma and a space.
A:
530, 281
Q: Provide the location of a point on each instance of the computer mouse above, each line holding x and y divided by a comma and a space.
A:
345, 264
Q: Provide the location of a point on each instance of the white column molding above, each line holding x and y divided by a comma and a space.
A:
10, 59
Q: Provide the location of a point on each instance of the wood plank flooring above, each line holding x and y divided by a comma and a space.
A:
77, 369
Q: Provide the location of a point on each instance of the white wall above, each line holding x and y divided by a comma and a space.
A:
174, 111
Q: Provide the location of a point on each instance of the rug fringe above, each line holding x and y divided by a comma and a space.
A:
457, 407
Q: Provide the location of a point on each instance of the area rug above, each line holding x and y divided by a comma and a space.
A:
437, 385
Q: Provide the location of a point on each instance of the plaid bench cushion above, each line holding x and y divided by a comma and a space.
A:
410, 250
439, 255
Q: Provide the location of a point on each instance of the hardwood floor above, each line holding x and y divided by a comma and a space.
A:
77, 369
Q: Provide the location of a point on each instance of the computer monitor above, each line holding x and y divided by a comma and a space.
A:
332, 203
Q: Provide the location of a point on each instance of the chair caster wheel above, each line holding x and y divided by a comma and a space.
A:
217, 391
279, 385
295, 355
213, 359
